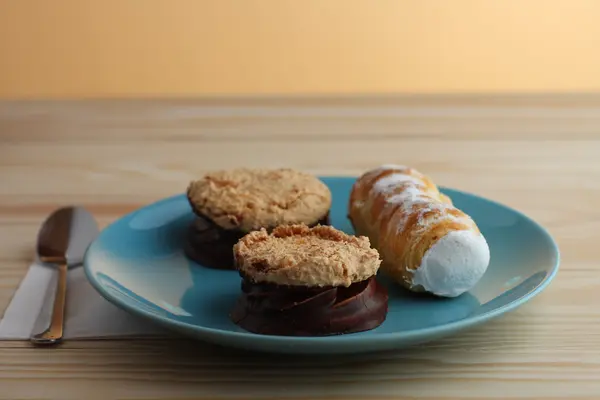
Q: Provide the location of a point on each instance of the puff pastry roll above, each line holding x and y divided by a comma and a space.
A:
426, 243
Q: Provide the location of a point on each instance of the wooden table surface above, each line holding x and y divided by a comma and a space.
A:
539, 154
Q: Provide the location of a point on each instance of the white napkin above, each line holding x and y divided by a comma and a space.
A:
88, 315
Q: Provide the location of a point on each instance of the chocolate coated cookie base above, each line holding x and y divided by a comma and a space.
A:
211, 246
301, 311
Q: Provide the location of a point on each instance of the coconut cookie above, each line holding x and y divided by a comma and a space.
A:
304, 281
231, 203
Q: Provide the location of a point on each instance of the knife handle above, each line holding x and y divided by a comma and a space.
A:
54, 333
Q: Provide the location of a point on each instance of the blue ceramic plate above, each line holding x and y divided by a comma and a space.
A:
137, 263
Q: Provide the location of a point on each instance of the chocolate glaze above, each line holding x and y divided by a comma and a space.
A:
211, 245
271, 309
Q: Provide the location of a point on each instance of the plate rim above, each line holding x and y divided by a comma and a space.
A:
204, 331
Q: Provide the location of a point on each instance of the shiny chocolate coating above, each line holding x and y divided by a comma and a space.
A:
271, 309
212, 246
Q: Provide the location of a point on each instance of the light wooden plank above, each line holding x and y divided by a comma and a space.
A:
268, 120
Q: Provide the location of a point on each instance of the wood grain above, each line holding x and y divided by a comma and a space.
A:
538, 154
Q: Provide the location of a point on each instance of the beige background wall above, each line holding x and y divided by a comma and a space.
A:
77, 48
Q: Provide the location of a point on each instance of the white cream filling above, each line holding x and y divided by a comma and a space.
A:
454, 264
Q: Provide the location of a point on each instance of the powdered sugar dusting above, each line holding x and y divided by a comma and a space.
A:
359, 204
445, 217
408, 198
392, 181
411, 195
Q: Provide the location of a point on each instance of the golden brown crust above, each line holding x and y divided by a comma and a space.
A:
403, 214
250, 199
303, 256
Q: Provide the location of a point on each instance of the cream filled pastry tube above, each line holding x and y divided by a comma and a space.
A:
426, 244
